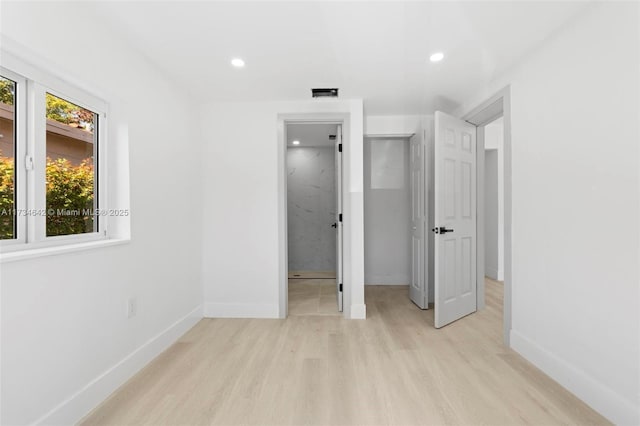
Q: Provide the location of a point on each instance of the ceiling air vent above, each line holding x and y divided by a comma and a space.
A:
324, 93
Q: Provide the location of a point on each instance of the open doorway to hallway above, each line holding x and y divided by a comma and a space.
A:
494, 200
494, 212
313, 222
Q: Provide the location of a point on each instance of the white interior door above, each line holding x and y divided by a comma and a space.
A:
417, 287
339, 272
454, 219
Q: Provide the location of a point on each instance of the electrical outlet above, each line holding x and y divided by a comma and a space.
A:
132, 307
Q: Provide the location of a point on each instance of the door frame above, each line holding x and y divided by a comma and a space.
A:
496, 106
283, 237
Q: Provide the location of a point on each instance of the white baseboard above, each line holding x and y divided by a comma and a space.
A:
240, 310
494, 274
598, 396
78, 405
358, 311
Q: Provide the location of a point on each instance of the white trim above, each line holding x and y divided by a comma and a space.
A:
37, 132
358, 311
480, 231
78, 405
240, 310
494, 274
32, 253
481, 115
339, 118
283, 246
19, 156
593, 392
338, 194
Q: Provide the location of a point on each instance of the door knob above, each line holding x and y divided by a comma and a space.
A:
335, 225
441, 230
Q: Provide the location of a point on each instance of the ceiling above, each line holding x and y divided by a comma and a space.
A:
311, 134
377, 51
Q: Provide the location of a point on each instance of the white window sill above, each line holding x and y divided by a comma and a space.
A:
26, 254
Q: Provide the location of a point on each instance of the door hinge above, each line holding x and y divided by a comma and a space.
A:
339, 147
340, 288
340, 217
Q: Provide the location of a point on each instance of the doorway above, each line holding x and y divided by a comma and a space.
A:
387, 207
494, 200
482, 118
494, 114
314, 218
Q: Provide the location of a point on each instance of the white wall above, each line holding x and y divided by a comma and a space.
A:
391, 125
241, 259
491, 213
66, 342
575, 196
311, 208
494, 200
387, 212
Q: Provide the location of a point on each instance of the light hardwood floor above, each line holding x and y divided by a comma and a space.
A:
393, 368
312, 296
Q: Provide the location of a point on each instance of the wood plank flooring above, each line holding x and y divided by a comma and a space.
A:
313, 297
393, 368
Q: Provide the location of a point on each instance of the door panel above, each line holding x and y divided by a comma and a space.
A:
417, 288
454, 219
449, 188
449, 272
466, 266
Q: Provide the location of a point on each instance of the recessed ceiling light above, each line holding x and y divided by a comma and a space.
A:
237, 62
296, 142
436, 57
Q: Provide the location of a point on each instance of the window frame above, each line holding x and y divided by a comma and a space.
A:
19, 151
32, 84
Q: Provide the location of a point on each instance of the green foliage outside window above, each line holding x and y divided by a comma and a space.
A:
65, 112
6, 198
69, 189
6, 91
7, 95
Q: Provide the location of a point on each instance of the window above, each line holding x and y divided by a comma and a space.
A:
70, 172
7, 159
51, 162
